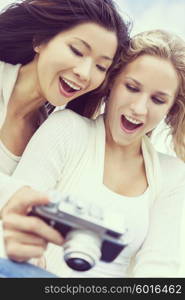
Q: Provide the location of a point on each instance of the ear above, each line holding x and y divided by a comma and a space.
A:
37, 49
36, 46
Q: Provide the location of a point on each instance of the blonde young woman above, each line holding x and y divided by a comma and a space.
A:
111, 162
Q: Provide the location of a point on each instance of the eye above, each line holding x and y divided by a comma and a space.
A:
131, 88
157, 100
101, 68
76, 51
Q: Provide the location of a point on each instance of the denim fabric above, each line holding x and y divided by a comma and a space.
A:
10, 269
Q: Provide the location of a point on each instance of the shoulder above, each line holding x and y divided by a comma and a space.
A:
66, 125
8, 71
68, 114
2, 64
172, 168
6, 66
68, 119
168, 162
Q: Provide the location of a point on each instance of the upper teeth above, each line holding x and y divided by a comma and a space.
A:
72, 85
134, 121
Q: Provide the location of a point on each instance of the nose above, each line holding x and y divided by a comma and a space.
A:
139, 105
83, 69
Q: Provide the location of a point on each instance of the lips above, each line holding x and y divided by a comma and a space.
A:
129, 126
66, 88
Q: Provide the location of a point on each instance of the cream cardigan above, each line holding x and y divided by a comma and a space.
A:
8, 161
69, 158
8, 185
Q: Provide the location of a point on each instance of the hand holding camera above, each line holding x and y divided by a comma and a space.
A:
91, 234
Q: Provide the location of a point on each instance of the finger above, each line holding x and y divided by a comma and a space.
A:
23, 238
21, 252
39, 262
25, 198
32, 225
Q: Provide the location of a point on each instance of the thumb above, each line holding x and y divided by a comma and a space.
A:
23, 200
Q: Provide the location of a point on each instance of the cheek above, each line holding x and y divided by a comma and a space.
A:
156, 116
50, 59
97, 79
48, 69
111, 112
43, 65
117, 97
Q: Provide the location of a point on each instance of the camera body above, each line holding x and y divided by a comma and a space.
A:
91, 234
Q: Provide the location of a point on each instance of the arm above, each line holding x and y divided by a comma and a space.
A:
43, 159
54, 146
8, 186
162, 252
41, 166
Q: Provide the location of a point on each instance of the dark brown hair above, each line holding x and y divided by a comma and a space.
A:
33, 22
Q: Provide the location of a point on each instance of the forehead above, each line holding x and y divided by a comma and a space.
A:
97, 36
153, 71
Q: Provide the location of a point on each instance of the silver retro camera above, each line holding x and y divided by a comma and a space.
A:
91, 233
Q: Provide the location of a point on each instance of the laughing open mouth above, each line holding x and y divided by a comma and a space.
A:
129, 123
68, 86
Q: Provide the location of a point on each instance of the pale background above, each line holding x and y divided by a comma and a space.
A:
146, 15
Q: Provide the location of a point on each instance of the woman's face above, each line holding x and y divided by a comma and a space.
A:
140, 98
74, 62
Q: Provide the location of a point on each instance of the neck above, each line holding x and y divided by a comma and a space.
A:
123, 153
26, 96
130, 151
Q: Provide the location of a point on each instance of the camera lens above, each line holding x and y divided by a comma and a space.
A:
82, 249
79, 262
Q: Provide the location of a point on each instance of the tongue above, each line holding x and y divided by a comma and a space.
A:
128, 125
66, 87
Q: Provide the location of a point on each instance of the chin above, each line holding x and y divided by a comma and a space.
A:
120, 142
56, 102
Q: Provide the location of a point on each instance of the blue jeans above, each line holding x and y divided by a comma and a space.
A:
11, 269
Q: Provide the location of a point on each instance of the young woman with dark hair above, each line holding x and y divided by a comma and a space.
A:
25, 25
52, 52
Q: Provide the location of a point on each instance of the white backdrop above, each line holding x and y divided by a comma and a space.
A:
146, 14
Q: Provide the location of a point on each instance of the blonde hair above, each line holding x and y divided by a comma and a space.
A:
171, 47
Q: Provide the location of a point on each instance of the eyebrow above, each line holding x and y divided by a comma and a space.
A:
89, 48
163, 94
158, 92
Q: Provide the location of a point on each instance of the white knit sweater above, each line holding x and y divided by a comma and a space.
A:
8, 161
67, 153
62, 143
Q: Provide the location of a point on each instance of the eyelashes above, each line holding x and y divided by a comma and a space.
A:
101, 68
158, 100
76, 51
132, 88
80, 54
155, 99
